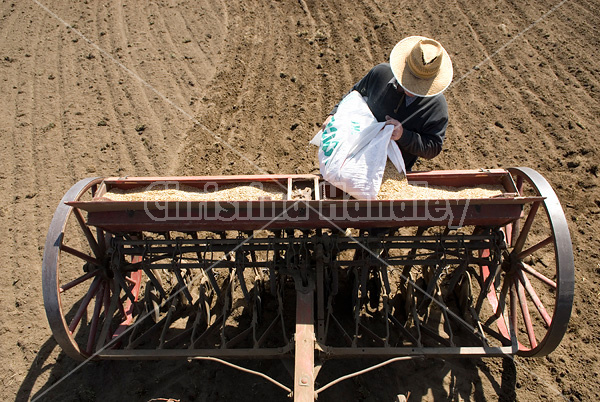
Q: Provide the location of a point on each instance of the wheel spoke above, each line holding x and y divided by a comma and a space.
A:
96, 317
529, 269
513, 318
80, 254
109, 312
79, 280
488, 276
534, 297
525, 314
533, 249
84, 303
106, 301
88, 233
502, 300
498, 305
526, 228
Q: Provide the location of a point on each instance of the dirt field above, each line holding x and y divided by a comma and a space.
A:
239, 87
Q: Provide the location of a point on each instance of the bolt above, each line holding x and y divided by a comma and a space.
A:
304, 380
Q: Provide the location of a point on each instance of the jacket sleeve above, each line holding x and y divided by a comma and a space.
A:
427, 142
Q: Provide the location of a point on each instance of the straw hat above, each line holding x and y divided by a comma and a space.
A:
421, 65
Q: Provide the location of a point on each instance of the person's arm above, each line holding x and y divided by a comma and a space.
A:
428, 143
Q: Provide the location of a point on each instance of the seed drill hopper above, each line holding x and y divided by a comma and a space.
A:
310, 277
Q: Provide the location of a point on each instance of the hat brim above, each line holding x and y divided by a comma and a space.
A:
419, 86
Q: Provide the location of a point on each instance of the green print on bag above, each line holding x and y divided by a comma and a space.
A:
328, 143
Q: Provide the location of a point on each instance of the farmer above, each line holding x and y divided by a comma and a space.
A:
407, 93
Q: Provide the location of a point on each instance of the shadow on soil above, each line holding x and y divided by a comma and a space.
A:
428, 379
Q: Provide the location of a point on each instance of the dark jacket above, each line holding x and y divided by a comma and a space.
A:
424, 120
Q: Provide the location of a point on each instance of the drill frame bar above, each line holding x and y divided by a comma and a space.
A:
153, 251
135, 216
328, 208
306, 273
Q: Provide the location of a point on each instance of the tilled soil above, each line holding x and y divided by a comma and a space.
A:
163, 88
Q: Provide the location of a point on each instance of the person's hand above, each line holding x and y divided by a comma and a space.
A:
398, 130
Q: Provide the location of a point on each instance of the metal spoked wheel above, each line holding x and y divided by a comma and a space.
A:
85, 304
531, 291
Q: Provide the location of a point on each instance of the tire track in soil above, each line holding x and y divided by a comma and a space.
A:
237, 63
34, 176
206, 38
522, 71
141, 109
183, 97
271, 82
513, 74
260, 62
119, 106
100, 128
175, 89
24, 189
364, 27
120, 99
471, 144
162, 138
42, 159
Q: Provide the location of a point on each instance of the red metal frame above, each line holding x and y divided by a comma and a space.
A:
116, 222
121, 216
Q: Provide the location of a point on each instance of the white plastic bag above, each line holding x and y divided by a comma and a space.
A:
354, 147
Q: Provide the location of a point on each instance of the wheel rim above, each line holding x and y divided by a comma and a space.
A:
533, 294
80, 296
